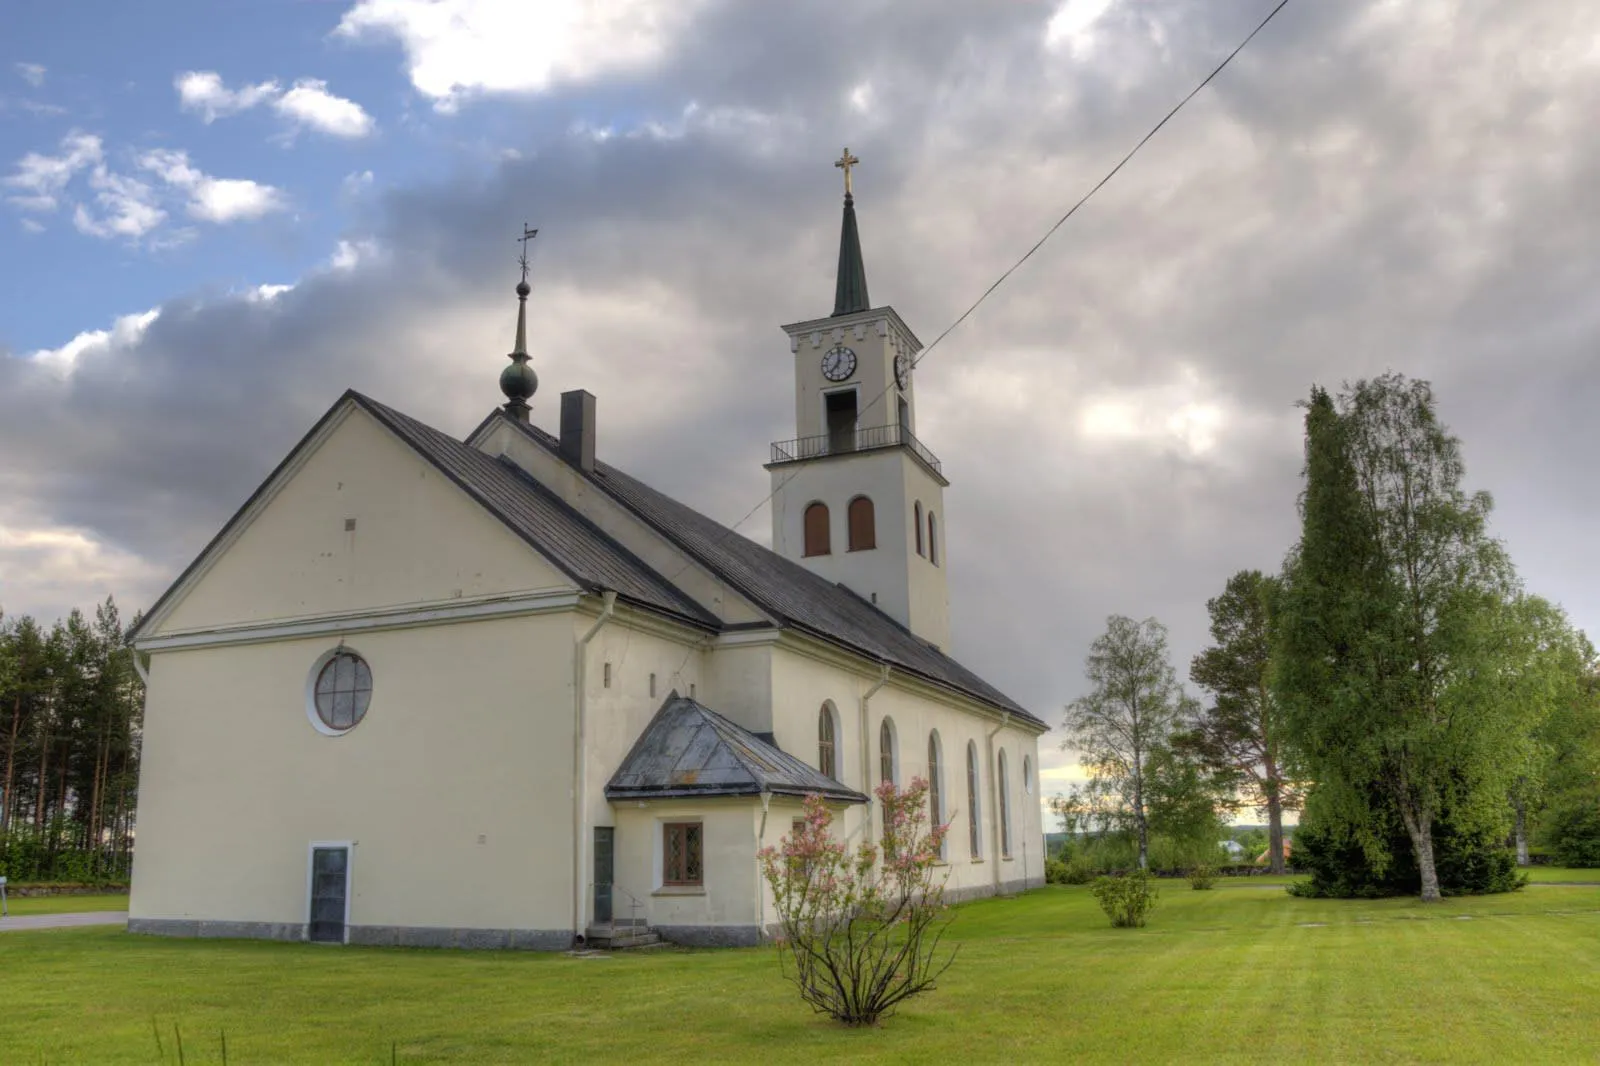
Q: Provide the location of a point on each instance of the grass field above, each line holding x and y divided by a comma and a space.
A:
1243, 975
67, 904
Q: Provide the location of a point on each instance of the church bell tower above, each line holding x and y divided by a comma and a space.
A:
857, 498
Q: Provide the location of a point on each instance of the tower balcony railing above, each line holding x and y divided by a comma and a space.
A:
847, 442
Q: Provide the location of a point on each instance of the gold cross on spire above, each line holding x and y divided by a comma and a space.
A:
844, 163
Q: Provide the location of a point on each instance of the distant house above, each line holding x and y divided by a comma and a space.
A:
1234, 849
1288, 851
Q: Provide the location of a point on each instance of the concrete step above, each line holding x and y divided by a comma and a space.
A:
618, 936
637, 940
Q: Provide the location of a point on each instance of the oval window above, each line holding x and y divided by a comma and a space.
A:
341, 692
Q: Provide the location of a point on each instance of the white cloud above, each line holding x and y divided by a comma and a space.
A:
212, 199
357, 183
124, 333
347, 255
44, 563
40, 179
130, 208
267, 293
458, 47
1183, 415
309, 103
32, 73
232, 199
1072, 25
31, 226
203, 91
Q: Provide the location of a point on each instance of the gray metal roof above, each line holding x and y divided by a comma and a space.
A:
788, 591
573, 543
689, 750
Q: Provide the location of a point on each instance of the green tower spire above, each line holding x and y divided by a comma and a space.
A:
850, 291
518, 381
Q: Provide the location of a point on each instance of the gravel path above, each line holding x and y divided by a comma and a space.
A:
62, 921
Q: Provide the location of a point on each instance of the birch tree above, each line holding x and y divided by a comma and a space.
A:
1132, 710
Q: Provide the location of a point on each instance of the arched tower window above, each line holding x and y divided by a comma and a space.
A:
827, 745
863, 525
933, 539
935, 784
886, 752
816, 531
1027, 774
916, 522
973, 837
1004, 782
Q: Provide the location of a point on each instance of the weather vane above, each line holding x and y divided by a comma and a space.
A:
527, 235
844, 163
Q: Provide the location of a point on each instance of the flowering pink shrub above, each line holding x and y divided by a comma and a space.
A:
862, 929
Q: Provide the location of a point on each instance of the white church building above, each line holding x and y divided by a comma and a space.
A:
493, 692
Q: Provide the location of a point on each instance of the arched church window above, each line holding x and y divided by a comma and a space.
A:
886, 752
827, 747
1004, 782
916, 522
973, 837
935, 785
863, 525
1027, 774
933, 539
816, 531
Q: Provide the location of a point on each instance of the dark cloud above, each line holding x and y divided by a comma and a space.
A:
1370, 186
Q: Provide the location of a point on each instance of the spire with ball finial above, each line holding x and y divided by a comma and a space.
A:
518, 381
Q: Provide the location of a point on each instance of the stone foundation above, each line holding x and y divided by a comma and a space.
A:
397, 936
710, 936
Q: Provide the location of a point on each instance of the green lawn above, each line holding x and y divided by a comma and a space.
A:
1242, 975
1562, 873
67, 904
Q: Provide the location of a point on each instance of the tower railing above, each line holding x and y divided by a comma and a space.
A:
849, 441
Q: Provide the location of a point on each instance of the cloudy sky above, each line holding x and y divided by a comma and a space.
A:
216, 217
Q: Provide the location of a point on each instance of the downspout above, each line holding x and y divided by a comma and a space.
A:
866, 748
994, 793
580, 765
761, 889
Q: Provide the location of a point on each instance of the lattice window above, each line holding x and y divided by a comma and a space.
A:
683, 855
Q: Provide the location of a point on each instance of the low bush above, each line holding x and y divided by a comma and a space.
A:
1467, 864
1127, 900
1202, 877
1571, 829
28, 854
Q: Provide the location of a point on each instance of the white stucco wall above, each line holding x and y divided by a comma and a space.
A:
875, 336
454, 787
418, 539
731, 892
801, 684
908, 587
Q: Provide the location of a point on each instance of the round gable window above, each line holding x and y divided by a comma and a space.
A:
341, 689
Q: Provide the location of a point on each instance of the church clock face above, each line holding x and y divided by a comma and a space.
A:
902, 370
838, 363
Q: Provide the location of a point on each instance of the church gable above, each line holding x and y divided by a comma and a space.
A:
355, 521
